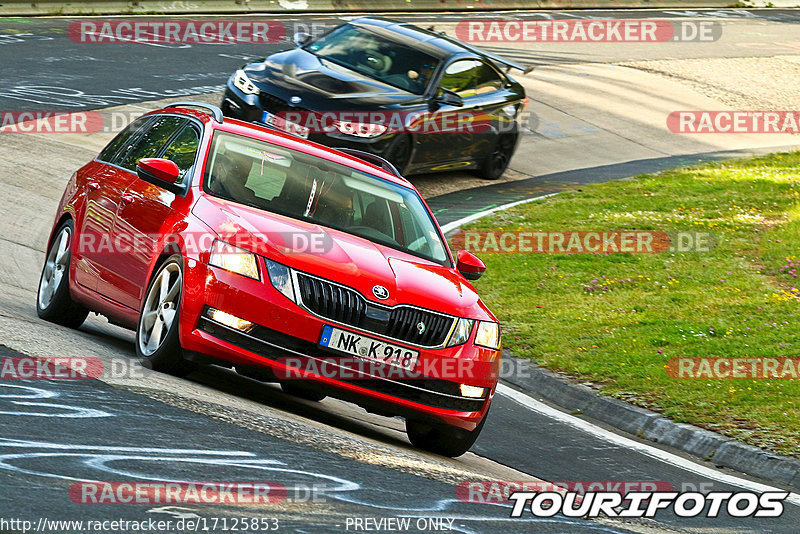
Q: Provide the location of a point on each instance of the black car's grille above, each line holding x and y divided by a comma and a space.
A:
347, 306
276, 105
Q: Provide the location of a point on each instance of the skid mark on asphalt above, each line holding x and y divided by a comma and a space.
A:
74, 412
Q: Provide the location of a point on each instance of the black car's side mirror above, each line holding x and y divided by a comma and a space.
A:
448, 97
301, 38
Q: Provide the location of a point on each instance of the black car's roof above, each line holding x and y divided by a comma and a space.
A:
435, 44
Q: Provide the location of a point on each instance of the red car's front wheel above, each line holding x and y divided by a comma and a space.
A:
442, 439
157, 342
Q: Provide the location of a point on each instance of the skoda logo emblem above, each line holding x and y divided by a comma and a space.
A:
295, 100
380, 292
420, 327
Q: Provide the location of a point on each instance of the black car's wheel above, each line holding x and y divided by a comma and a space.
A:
399, 154
497, 162
302, 391
442, 439
53, 301
157, 343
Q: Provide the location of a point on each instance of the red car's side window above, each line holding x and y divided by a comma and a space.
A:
120, 144
152, 141
183, 150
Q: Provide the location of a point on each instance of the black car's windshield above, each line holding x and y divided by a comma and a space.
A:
310, 188
384, 60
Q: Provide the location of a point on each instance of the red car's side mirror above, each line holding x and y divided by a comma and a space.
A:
161, 172
469, 265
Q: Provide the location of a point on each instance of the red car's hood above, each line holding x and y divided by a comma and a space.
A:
344, 258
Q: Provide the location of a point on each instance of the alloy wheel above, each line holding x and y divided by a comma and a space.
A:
55, 267
160, 308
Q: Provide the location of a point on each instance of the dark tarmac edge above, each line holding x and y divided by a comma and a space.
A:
450, 208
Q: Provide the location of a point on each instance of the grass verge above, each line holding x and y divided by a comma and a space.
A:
617, 319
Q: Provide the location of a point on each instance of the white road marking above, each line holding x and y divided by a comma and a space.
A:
455, 225
643, 448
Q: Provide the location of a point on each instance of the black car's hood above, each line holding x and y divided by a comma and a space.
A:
322, 84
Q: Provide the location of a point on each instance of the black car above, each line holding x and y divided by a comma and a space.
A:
415, 97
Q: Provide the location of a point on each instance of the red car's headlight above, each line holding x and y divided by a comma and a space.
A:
281, 278
488, 335
461, 332
234, 259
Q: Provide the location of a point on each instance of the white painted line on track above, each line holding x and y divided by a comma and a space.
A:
449, 227
607, 435
643, 448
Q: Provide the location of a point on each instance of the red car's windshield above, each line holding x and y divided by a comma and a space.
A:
262, 175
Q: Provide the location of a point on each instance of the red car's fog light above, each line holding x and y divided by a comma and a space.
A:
473, 392
227, 319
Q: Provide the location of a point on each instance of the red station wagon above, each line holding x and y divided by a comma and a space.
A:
227, 243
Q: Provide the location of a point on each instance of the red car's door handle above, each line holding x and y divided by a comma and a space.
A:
127, 199
94, 186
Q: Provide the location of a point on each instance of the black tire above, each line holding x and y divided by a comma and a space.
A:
59, 307
168, 356
442, 439
399, 154
302, 391
497, 162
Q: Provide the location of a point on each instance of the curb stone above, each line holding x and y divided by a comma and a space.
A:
721, 450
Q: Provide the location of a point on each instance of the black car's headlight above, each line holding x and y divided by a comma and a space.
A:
360, 129
243, 83
281, 278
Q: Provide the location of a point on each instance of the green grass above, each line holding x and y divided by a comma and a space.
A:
617, 319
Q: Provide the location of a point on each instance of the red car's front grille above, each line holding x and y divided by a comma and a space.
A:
347, 306
331, 301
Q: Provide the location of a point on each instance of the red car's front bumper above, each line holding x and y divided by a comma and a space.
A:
285, 332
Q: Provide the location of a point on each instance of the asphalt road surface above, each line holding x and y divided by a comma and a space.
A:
337, 462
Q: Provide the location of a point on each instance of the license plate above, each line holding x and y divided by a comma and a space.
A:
368, 348
279, 123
